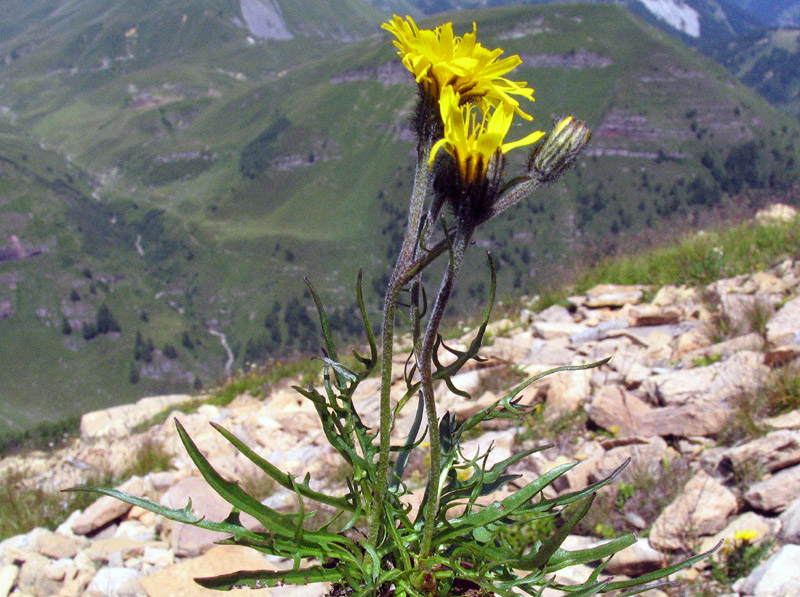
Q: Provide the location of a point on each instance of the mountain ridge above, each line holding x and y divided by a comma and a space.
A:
226, 173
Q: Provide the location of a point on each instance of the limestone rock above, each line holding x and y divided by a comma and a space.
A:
777, 492
702, 509
790, 420
178, 580
654, 315
101, 512
114, 582
749, 521
637, 559
613, 295
784, 327
790, 523
187, 539
777, 212
119, 420
778, 576
56, 545
8, 578
774, 451
616, 409
743, 372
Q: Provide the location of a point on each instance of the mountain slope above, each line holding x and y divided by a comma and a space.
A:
218, 169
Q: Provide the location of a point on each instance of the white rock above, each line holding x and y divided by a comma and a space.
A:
779, 576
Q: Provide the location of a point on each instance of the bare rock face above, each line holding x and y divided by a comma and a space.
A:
702, 509
653, 390
779, 576
620, 411
119, 420
783, 329
613, 295
639, 558
777, 492
103, 511
773, 452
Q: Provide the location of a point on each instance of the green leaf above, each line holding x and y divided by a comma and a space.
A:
460, 526
282, 478
259, 579
659, 574
549, 547
592, 554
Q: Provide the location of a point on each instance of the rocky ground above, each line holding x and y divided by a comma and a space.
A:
695, 394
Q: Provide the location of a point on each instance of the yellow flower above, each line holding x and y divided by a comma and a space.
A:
463, 474
438, 59
473, 137
746, 535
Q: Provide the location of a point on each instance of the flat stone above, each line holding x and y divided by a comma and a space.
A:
56, 546
742, 372
702, 509
790, 523
109, 582
622, 413
676, 295
646, 315
774, 451
637, 559
8, 578
790, 420
777, 492
613, 295
187, 539
777, 212
640, 451
778, 576
118, 421
783, 329
178, 580
749, 521
550, 330
752, 342
106, 509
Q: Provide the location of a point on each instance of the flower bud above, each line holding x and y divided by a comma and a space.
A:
559, 150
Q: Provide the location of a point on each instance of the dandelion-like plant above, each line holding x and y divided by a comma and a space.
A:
453, 544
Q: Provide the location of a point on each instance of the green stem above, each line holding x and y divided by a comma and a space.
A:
424, 366
400, 277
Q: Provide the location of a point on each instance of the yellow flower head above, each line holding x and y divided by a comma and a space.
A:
746, 535
438, 59
473, 137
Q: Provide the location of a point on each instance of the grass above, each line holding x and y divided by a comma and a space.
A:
779, 394
24, 506
702, 258
642, 492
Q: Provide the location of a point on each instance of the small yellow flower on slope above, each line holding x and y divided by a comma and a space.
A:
746, 536
440, 59
473, 137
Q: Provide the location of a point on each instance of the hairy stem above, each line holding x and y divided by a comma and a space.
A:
400, 276
424, 365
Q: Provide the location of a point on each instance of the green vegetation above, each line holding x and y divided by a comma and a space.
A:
779, 394
24, 506
205, 172
701, 258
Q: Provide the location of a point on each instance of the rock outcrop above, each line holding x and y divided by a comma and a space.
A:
669, 394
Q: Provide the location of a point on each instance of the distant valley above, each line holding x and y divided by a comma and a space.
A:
170, 171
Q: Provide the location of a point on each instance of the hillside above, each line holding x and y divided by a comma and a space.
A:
700, 398
769, 62
215, 168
